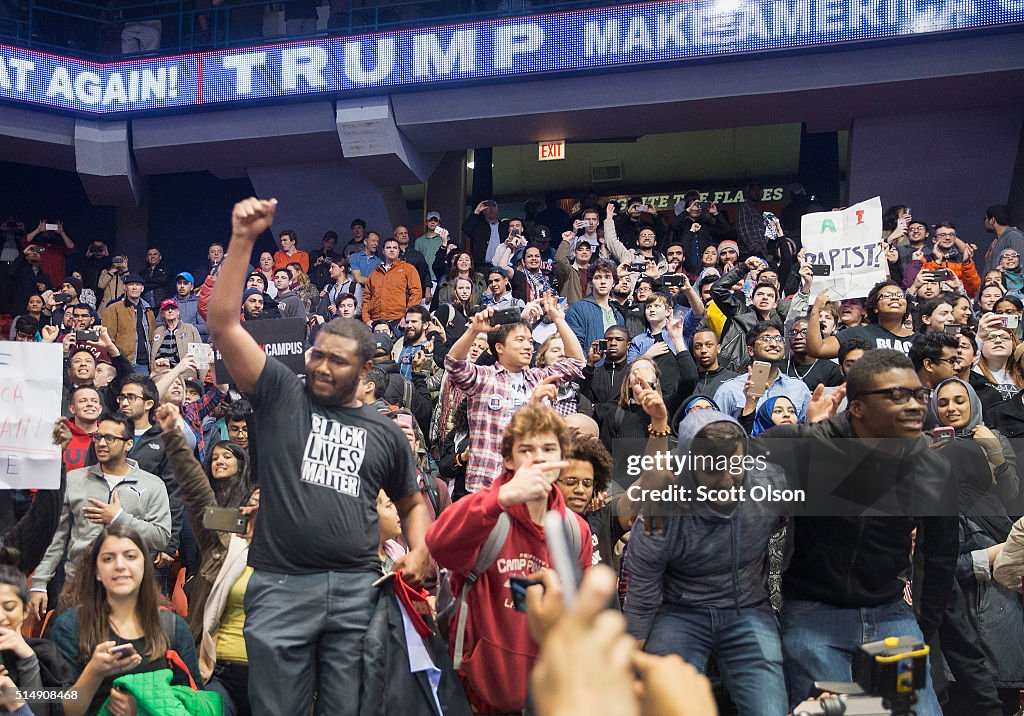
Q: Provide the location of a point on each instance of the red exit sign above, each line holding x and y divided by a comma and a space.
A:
547, 151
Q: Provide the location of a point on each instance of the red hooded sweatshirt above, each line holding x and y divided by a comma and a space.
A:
77, 453
498, 650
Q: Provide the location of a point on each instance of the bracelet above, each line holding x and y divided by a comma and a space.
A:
658, 433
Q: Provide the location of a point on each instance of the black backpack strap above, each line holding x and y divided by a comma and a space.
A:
433, 494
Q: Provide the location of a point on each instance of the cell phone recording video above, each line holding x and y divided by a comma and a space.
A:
506, 315
222, 519
519, 585
759, 372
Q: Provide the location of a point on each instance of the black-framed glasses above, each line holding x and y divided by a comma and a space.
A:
900, 396
954, 362
574, 481
798, 332
769, 339
101, 438
128, 398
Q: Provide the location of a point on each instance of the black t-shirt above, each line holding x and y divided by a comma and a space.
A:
605, 532
878, 337
320, 470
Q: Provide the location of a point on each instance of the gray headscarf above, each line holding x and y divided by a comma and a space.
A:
966, 431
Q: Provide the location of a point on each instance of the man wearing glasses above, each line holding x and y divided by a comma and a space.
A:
951, 253
115, 489
845, 582
766, 344
136, 400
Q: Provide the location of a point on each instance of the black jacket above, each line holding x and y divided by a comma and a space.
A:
148, 451
476, 228
713, 230
31, 535
853, 561
733, 353
158, 280
388, 687
602, 385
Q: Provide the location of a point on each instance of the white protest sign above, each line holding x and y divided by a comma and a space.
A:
30, 385
848, 242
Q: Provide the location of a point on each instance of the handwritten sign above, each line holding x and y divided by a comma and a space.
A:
30, 388
848, 242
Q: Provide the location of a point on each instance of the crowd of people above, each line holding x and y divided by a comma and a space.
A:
371, 534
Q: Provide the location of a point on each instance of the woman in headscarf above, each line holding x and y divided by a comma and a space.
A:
773, 411
994, 611
955, 404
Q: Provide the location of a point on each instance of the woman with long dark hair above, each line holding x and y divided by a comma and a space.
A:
31, 664
115, 625
215, 611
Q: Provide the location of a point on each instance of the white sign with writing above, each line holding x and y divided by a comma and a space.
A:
30, 386
848, 242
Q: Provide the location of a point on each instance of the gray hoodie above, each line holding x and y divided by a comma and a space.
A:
145, 509
705, 559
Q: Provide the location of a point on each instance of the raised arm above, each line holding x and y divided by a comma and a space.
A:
242, 355
817, 345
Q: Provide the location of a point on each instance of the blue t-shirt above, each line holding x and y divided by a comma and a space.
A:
363, 263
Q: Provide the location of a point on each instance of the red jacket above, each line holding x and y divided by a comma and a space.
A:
498, 650
76, 454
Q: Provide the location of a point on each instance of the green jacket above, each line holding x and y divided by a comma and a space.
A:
155, 696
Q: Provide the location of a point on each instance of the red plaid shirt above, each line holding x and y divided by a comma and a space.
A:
494, 394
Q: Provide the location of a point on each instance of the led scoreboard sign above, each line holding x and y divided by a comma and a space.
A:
595, 38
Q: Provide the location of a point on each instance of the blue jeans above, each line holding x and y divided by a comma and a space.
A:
303, 635
820, 641
746, 642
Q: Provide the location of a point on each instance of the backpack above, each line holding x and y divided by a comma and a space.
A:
448, 605
433, 494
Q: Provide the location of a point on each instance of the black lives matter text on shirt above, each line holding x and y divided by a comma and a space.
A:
878, 337
282, 338
320, 470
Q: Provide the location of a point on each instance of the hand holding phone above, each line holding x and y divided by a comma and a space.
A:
942, 437
122, 651
759, 373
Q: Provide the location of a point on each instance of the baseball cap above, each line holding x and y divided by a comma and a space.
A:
185, 275
540, 233
383, 343
168, 303
133, 278
433, 215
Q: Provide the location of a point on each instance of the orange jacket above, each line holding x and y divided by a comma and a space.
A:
388, 294
967, 272
281, 259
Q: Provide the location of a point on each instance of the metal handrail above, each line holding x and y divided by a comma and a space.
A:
79, 28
